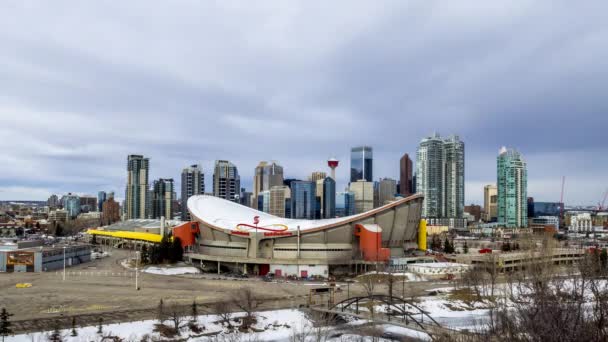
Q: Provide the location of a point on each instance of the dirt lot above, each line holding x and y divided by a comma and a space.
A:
114, 296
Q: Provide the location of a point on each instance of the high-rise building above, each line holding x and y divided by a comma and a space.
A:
386, 191
453, 149
88, 203
361, 164
110, 211
137, 190
405, 176
345, 204
319, 193
303, 200
162, 198
473, 210
245, 197
512, 184
264, 201
317, 175
71, 204
278, 194
266, 176
364, 195
490, 203
193, 183
101, 197
226, 181
440, 176
329, 198
53, 201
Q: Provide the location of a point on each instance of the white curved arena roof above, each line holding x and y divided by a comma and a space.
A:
225, 214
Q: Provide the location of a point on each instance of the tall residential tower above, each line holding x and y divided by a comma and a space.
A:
440, 176
226, 181
193, 183
136, 192
512, 184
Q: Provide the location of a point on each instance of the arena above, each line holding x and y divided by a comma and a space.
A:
233, 237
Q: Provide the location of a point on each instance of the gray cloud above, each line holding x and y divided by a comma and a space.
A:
85, 84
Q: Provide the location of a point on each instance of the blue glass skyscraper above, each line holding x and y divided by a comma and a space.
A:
361, 163
329, 198
101, 197
345, 204
303, 200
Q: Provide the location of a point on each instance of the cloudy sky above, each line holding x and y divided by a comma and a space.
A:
85, 83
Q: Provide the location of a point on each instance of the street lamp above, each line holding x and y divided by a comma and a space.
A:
136, 269
63, 263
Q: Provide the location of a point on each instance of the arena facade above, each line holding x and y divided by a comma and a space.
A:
238, 238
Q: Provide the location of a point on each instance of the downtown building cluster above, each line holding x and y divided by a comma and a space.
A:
438, 173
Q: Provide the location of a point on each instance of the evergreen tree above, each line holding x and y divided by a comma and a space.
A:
194, 311
5, 323
447, 246
74, 332
603, 259
164, 249
55, 336
176, 252
161, 312
145, 256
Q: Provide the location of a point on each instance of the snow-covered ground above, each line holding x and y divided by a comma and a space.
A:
168, 270
278, 325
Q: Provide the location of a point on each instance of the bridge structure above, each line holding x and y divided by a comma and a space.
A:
385, 309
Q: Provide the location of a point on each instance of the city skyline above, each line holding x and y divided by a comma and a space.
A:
76, 102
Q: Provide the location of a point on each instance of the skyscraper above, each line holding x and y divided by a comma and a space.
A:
278, 194
303, 200
405, 176
512, 184
386, 190
53, 201
136, 193
364, 195
361, 164
453, 149
317, 175
329, 198
71, 204
162, 198
440, 176
266, 176
226, 181
101, 197
490, 201
193, 183
345, 204
110, 211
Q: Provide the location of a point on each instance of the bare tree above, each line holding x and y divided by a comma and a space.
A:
245, 300
224, 311
177, 315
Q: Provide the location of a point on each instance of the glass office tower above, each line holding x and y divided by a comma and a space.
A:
361, 163
303, 200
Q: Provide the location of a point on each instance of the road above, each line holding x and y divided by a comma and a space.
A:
89, 296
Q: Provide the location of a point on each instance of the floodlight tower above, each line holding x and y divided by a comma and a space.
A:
333, 164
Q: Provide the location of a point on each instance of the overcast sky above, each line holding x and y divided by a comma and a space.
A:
85, 83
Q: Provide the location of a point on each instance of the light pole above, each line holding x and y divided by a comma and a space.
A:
136, 270
63, 263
